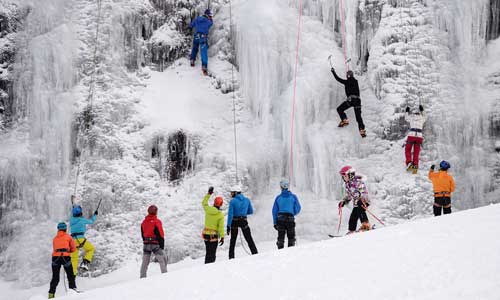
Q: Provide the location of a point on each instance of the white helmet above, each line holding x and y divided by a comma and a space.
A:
235, 188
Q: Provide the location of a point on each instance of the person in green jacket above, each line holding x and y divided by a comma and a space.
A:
214, 226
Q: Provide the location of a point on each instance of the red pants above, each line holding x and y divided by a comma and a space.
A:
415, 143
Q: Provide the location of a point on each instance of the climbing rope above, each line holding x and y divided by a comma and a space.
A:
290, 165
234, 95
343, 33
241, 241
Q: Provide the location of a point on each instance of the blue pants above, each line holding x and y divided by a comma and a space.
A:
200, 40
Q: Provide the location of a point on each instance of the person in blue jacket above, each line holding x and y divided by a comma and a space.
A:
239, 208
202, 25
78, 225
285, 208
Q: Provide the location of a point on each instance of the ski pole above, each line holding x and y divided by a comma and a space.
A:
330, 60
340, 219
380, 221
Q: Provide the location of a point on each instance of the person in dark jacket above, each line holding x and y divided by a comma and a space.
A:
202, 25
239, 208
286, 207
63, 245
154, 241
353, 100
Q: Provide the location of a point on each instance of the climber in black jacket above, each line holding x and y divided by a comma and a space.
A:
353, 100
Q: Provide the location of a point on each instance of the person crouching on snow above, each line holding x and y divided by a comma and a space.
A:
355, 190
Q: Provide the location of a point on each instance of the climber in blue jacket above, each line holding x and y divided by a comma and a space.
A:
286, 207
239, 208
202, 25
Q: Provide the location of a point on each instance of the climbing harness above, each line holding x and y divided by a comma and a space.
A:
290, 165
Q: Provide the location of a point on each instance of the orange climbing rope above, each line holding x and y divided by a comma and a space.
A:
290, 165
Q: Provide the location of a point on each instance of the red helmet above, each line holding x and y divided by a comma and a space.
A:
218, 201
152, 210
346, 170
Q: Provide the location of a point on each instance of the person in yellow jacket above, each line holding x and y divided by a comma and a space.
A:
444, 185
214, 226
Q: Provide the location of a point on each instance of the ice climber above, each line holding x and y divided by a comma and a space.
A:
153, 239
201, 25
444, 185
355, 190
78, 225
214, 226
286, 207
239, 208
415, 138
353, 100
63, 245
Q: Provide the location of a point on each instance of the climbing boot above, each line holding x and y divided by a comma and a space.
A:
409, 167
344, 123
205, 71
51, 296
85, 265
365, 226
414, 169
192, 63
362, 132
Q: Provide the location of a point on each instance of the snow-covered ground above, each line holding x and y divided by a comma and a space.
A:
449, 257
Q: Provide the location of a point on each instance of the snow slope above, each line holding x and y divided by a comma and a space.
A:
450, 257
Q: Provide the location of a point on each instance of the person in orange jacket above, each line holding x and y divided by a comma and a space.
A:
63, 245
444, 185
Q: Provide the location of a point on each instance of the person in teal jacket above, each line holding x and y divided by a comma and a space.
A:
78, 225
239, 208
286, 207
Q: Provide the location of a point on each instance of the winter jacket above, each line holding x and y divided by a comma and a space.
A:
355, 190
286, 202
240, 206
63, 244
152, 231
202, 24
214, 219
351, 85
78, 225
416, 124
443, 183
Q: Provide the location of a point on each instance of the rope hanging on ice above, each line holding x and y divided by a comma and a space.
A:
234, 96
290, 165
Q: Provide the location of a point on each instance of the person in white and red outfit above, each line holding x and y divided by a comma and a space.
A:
415, 137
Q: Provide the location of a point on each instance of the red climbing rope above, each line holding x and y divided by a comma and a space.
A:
342, 21
290, 170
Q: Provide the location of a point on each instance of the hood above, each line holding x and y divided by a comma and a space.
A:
150, 217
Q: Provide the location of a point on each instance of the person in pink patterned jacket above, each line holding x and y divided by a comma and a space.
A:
355, 191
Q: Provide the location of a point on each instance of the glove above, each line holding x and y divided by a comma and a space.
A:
211, 190
228, 230
161, 244
421, 108
432, 167
221, 242
276, 226
407, 109
341, 204
96, 212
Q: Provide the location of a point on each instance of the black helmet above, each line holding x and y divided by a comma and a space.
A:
350, 73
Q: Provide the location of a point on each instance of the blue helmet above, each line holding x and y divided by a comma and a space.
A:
284, 184
77, 211
62, 226
208, 12
444, 165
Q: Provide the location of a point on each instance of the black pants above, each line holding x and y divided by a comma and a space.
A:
211, 249
243, 224
358, 213
356, 103
286, 226
57, 263
442, 203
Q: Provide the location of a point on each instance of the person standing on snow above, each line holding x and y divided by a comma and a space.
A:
353, 100
444, 185
355, 190
202, 25
415, 138
214, 226
78, 225
239, 208
286, 207
154, 241
63, 245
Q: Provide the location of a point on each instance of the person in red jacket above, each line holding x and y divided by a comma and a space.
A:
63, 245
154, 241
